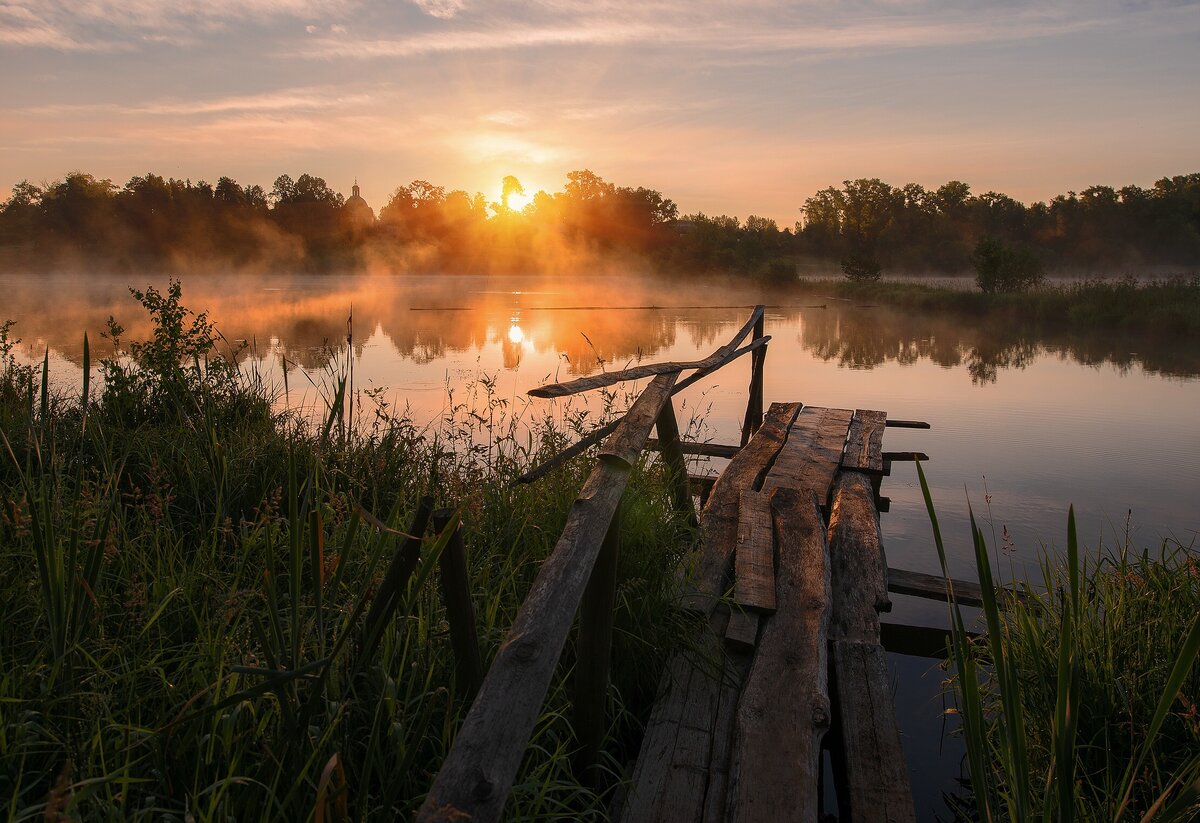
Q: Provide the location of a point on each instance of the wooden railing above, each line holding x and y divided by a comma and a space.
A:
580, 575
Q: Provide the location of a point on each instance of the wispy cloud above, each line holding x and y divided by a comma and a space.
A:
442, 9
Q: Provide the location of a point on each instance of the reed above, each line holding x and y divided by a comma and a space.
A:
1077, 701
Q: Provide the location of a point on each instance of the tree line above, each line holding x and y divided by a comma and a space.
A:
158, 223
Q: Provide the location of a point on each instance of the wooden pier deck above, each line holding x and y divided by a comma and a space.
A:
792, 662
785, 584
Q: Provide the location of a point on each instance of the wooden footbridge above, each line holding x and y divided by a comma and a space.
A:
787, 583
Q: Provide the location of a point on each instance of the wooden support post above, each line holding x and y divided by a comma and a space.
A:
395, 581
460, 613
754, 403
672, 452
594, 655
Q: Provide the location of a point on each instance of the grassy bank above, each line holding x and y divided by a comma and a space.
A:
1078, 702
1169, 307
184, 574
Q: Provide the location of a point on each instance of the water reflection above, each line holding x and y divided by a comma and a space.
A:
303, 321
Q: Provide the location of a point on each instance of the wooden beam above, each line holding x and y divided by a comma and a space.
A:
907, 424
597, 381
594, 437
809, 459
873, 776
876, 772
784, 709
742, 631
477, 774
864, 443
754, 555
918, 641
936, 587
745, 471
702, 449
859, 570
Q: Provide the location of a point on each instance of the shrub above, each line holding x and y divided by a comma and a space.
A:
1000, 267
860, 269
778, 272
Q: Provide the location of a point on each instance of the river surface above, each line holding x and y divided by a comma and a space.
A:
1022, 426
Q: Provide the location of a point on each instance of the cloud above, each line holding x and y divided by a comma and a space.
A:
441, 9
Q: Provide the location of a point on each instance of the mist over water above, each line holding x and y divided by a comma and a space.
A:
1022, 426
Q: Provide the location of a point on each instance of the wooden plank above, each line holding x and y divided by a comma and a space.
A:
672, 452
754, 555
858, 568
742, 632
810, 457
933, 587
477, 774
702, 449
876, 775
907, 424
917, 641
592, 438
754, 402
720, 763
597, 381
671, 776
864, 442
710, 567
784, 709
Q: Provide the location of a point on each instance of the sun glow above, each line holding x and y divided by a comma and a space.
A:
517, 202
515, 334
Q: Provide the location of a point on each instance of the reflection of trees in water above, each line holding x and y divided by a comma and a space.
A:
303, 319
869, 337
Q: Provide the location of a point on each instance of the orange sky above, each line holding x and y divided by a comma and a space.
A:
735, 108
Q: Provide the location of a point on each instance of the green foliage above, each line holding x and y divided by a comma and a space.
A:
861, 269
1078, 702
1000, 267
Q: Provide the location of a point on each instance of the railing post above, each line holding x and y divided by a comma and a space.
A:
594, 654
460, 614
672, 452
755, 403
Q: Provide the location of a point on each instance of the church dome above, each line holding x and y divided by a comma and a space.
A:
357, 209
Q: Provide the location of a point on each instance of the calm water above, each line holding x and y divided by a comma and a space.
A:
1022, 427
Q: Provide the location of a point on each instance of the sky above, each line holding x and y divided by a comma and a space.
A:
733, 108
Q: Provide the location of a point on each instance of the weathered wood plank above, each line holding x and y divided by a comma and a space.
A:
672, 771
597, 381
710, 567
784, 709
919, 641
720, 763
592, 438
876, 775
907, 424
754, 402
754, 555
742, 632
477, 774
864, 443
702, 449
810, 457
935, 587
858, 567
668, 431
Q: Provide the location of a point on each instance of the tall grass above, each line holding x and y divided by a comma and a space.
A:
1077, 701
186, 576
